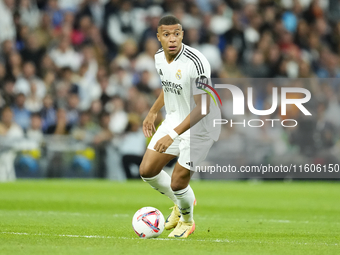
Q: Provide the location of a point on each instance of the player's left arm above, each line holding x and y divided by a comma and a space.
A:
194, 117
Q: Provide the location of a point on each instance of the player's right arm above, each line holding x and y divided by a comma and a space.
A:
149, 121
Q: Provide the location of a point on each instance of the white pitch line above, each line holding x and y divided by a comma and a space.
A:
30, 212
267, 220
163, 239
113, 237
25, 213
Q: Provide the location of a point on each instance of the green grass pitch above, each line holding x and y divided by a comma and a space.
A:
94, 217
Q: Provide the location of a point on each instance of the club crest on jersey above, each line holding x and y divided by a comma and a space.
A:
178, 75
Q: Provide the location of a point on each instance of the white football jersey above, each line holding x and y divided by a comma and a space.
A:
179, 89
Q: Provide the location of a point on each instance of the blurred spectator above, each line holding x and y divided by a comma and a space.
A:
194, 15
91, 62
69, 5
154, 14
6, 48
305, 70
127, 23
144, 84
105, 93
65, 86
89, 90
314, 11
2, 73
96, 110
46, 66
119, 117
329, 65
54, 12
29, 13
178, 10
33, 52
65, 56
212, 52
230, 67
334, 10
44, 32
257, 68
22, 36
68, 29
61, 127
34, 132
8, 127
11, 133
50, 81
33, 102
105, 135
192, 37
72, 109
85, 24
274, 59
99, 47
127, 54
145, 59
86, 130
334, 38
132, 146
119, 82
23, 83
7, 27
235, 35
221, 21
140, 104
21, 114
8, 94
94, 9
14, 65
48, 113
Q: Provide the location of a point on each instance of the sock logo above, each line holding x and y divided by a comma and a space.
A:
184, 209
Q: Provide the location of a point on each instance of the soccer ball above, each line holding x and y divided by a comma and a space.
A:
148, 222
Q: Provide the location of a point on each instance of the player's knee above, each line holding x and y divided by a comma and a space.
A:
176, 185
144, 171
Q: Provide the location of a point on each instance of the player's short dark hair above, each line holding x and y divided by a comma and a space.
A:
168, 20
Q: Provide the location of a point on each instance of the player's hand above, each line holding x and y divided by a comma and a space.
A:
148, 124
163, 144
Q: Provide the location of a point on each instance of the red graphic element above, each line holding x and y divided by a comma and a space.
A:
213, 90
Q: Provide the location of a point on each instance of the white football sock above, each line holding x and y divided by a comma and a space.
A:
186, 198
161, 182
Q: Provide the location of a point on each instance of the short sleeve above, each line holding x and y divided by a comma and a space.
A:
200, 74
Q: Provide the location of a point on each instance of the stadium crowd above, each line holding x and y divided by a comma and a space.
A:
85, 68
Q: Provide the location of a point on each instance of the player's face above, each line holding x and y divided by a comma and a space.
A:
171, 37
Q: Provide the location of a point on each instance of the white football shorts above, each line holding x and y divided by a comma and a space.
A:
199, 147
